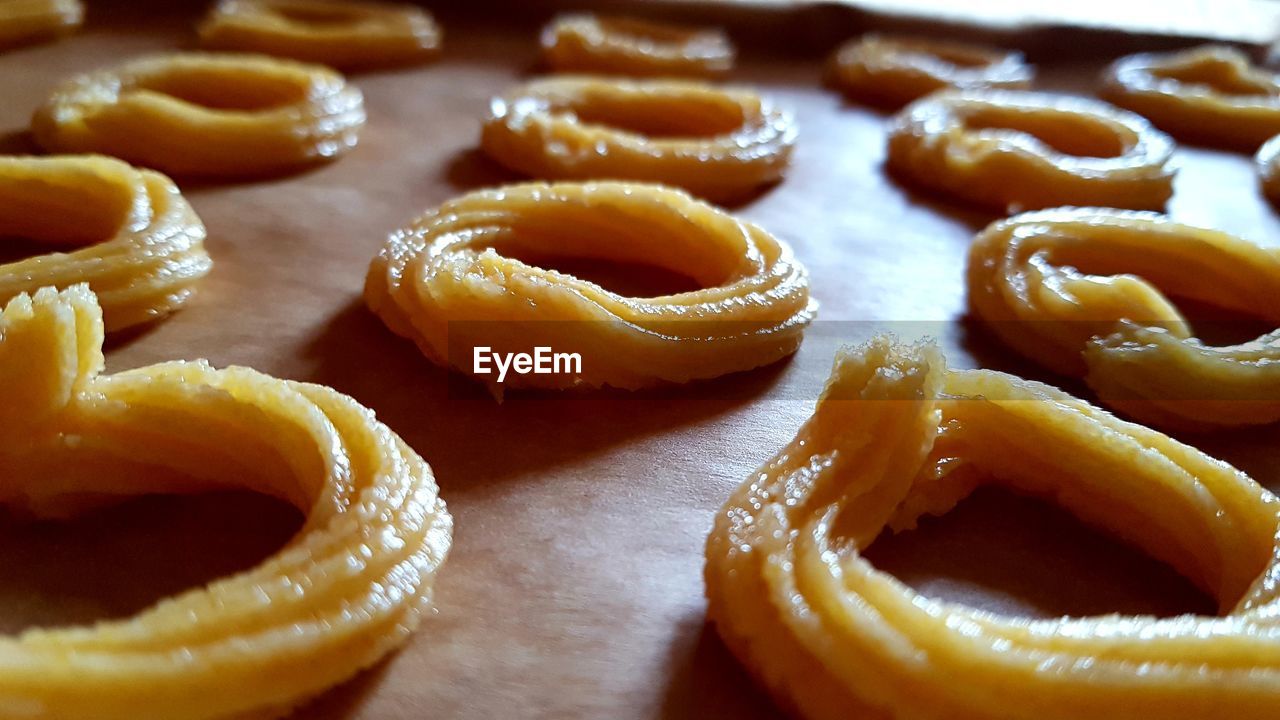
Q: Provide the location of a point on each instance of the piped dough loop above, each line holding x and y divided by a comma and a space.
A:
343, 34
444, 282
347, 589
896, 435
1082, 291
894, 70
716, 143
638, 48
212, 114
1008, 149
128, 233
25, 21
1211, 94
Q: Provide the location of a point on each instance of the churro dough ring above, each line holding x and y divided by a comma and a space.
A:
212, 114
1082, 292
1007, 149
896, 435
1210, 94
443, 283
347, 589
26, 21
128, 233
626, 46
716, 143
894, 70
343, 34
1267, 162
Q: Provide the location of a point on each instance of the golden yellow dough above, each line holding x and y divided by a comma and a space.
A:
719, 144
897, 435
126, 232
344, 34
1085, 292
1211, 94
347, 589
894, 70
1267, 163
445, 282
25, 21
212, 114
1009, 150
584, 43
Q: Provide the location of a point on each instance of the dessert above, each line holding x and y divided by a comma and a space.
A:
345, 591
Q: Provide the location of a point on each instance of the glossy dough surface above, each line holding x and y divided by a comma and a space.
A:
344, 34
894, 70
896, 435
1210, 94
1267, 163
1008, 149
719, 144
214, 114
1085, 292
348, 588
126, 232
445, 282
24, 21
638, 48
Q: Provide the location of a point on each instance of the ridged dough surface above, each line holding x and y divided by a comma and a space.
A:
893, 70
1009, 149
584, 43
1086, 292
210, 114
897, 435
719, 144
347, 589
343, 34
128, 233
444, 282
1211, 94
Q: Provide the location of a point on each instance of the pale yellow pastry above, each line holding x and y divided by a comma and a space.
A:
1211, 94
584, 43
893, 70
344, 34
897, 435
346, 590
1086, 292
126, 232
1009, 149
719, 144
445, 282
212, 114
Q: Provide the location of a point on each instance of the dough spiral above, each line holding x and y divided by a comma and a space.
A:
896, 435
343, 34
347, 589
1211, 94
443, 282
718, 144
213, 114
24, 21
143, 244
1008, 149
1082, 292
583, 43
894, 70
